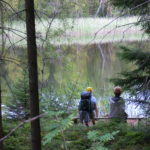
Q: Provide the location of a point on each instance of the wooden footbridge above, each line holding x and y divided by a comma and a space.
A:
130, 121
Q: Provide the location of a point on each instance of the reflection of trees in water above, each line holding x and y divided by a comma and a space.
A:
99, 64
50, 62
95, 63
105, 54
92, 63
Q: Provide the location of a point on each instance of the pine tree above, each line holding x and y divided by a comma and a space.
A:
18, 106
136, 81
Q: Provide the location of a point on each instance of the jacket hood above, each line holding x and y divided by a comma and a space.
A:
115, 99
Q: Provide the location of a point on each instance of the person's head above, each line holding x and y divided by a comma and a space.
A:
117, 91
89, 89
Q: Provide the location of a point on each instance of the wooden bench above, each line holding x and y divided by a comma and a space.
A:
130, 121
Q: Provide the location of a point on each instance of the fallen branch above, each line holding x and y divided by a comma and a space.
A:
20, 125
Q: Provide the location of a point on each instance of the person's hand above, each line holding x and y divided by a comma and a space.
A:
96, 115
107, 115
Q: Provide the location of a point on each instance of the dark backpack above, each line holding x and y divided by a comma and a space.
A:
85, 104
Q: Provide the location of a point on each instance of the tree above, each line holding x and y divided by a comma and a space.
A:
136, 7
136, 81
18, 105
2, 50
1, 126
33, 74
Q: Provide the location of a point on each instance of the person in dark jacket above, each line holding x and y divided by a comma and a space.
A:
87, 107
117, 105
94, 114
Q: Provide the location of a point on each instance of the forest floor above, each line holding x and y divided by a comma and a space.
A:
105, 136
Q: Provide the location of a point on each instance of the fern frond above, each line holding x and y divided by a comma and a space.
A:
58, 127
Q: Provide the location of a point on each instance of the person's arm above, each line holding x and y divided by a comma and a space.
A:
123, 107
79, 107
96, 110
123, 104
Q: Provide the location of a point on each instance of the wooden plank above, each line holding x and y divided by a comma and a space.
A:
130, 121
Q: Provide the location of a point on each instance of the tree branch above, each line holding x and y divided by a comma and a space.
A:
12, 9
20, 125
116, 19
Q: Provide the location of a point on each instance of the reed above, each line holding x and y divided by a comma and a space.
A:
81, 31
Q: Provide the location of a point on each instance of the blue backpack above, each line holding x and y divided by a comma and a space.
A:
85, 103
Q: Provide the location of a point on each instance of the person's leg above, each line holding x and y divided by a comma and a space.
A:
92, 117
81, 116
86, 119
87, 124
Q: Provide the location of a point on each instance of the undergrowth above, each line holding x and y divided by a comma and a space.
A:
103, 136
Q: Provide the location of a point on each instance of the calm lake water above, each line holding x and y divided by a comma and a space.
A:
91, 65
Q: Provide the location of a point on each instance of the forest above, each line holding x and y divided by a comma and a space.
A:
60, 59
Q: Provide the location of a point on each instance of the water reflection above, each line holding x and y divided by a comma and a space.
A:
93, 65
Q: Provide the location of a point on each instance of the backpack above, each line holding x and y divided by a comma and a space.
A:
85, 104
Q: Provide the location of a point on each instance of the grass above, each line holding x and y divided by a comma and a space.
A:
82, 31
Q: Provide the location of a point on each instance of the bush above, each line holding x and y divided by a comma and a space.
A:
20, 139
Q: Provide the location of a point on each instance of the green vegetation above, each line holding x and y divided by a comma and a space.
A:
61, 134
18, 104
20, 139
77, 41
134, 7
83, 31
136, 81
103, 136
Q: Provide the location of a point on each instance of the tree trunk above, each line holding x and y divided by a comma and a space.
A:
33, 74
1, 126
2, 50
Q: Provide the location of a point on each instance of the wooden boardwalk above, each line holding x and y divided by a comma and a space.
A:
130, 121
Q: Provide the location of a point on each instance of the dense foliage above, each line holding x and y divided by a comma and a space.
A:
59, 93
105, 135
102, 136
136, 81
18, 105
65, 8
138, 8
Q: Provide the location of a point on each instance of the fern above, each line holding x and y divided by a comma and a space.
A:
57, 126
107, 137
93, 135
99, 141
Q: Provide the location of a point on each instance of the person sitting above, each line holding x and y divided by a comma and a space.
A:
117, 105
